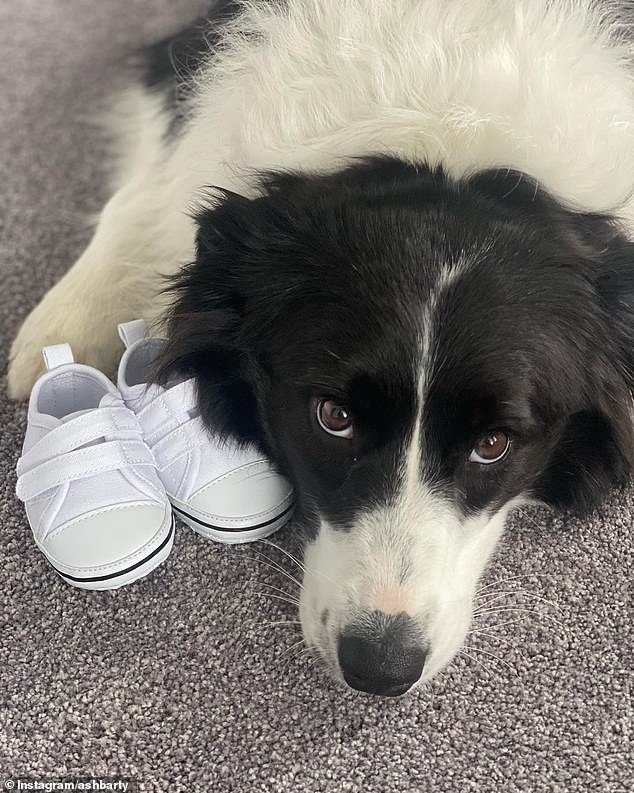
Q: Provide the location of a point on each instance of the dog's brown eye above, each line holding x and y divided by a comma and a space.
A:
490, 448
334, 418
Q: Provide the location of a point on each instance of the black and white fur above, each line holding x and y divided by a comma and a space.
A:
422, 210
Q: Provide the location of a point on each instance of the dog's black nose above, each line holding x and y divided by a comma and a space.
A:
385, 659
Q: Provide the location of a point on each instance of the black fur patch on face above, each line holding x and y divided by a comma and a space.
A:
350, 286
528, 340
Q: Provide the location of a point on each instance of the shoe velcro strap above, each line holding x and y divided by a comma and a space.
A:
99, 423
180, 441
82, 464
167, 408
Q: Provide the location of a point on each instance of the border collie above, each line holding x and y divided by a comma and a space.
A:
400, 239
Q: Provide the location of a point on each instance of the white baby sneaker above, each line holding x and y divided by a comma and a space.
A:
225, 493
97, 508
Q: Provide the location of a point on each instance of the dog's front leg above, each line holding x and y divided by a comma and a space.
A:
141, 237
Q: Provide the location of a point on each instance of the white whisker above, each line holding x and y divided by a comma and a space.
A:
497, 658
277, 597
519, 592
265, 560
520, 621
290, 649
475, 661
514, 578
492, 636
285, 552
301, 565
277, 589
503, 609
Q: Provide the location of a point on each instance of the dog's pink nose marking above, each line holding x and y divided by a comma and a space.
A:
395, 600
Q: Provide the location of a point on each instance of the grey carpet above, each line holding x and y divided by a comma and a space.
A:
172, 681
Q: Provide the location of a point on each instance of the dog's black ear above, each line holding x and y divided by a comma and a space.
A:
593, 456
596, 449
205, 338
615, 286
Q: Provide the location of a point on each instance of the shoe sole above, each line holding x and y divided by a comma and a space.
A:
239, 536
129, 574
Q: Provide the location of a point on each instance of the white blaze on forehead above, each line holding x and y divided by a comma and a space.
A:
412, 526
411, 465
447, 276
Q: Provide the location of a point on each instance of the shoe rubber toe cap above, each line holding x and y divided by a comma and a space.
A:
110, 539
249, 495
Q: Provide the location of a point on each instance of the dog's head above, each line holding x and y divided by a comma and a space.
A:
419, 355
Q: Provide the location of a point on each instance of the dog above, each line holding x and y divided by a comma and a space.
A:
400, 243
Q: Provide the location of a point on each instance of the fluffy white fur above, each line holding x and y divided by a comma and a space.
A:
542, 86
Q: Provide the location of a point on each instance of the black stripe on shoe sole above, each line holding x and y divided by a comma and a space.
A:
230, 530
132, 567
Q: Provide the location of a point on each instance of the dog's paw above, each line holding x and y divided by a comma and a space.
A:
87, 328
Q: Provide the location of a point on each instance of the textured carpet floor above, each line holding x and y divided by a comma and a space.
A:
173, 681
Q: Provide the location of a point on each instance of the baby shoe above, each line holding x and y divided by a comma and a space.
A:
97, 508
224, 492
